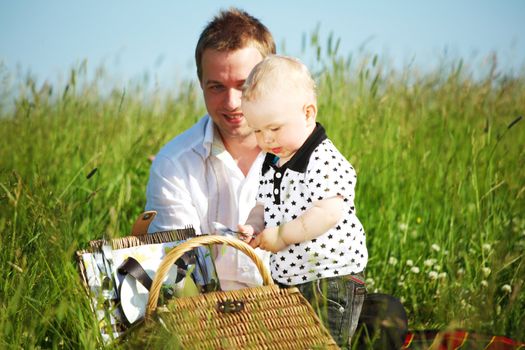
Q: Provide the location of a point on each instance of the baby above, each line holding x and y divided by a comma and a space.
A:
305, 213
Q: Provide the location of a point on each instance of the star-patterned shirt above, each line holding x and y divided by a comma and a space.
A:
315, 172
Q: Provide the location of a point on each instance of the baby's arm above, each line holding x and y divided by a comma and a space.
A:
321, 217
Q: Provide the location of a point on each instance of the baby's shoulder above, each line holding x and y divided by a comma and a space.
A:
326, 154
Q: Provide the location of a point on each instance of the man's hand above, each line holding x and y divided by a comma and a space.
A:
269, 239
248, 233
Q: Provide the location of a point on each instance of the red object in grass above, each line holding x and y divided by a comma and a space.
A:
458, 339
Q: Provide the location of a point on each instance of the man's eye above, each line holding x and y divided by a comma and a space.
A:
216, 87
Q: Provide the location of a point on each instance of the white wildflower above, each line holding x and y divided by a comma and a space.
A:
402, 300
370, 282
486, 247
486, 271
442, 275
506, 288
429, 262
401, 283
461, 271
410, 262
415, 269
403, 226
435, 247
484, 284
433, 275
392, 261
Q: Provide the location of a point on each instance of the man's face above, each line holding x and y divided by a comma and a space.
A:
223, 74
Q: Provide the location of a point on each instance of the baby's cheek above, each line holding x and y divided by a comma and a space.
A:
260, 139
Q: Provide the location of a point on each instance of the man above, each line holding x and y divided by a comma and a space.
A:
210, 173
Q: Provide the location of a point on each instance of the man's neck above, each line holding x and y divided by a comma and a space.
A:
244, 151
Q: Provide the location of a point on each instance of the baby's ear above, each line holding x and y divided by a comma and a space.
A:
310, 110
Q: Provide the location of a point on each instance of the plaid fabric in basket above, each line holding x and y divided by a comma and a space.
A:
458, 339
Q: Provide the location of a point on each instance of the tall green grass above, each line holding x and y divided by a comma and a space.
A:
441, 188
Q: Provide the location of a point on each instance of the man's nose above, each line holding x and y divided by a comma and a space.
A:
232, 99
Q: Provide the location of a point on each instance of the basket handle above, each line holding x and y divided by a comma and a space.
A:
196, 242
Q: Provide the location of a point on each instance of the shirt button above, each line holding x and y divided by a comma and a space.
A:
276, 191
278, 175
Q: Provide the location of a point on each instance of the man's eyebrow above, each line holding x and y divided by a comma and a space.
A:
218, 82
214, 82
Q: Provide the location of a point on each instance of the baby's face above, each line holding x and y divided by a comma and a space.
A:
281, 123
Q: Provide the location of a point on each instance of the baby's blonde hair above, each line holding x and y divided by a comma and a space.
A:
277, 73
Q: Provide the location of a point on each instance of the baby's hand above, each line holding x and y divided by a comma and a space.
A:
246, 232
269, 239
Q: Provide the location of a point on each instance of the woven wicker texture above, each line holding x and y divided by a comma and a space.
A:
154, 238
271, 317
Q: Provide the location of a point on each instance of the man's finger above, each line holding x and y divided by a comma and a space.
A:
244, 236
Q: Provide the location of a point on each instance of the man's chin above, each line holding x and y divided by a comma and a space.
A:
239, 131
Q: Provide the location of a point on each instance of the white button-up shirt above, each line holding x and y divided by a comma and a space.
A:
195, 181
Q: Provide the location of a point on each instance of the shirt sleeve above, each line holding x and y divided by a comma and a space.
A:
167, 193
329, 174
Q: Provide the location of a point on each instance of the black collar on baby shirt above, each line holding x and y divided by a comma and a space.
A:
299, 161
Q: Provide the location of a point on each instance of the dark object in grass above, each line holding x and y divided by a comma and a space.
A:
91, 173
383, 323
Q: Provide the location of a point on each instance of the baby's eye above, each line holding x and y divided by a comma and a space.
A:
275, 129
256, 131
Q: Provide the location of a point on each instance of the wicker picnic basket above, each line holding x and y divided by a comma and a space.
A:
116, 326
131, 241
266, 317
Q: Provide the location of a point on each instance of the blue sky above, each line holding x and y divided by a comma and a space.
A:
130, 38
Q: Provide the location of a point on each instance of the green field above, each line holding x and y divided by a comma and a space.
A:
440, 157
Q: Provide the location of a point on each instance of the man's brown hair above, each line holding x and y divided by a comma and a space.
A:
232, 30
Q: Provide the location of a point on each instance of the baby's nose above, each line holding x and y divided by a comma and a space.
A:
268, 137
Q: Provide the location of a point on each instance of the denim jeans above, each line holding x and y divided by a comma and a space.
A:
338, 302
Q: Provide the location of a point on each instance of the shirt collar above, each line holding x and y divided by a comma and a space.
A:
212, 142
299, 161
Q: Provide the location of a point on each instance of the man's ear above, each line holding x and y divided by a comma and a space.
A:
310, 111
